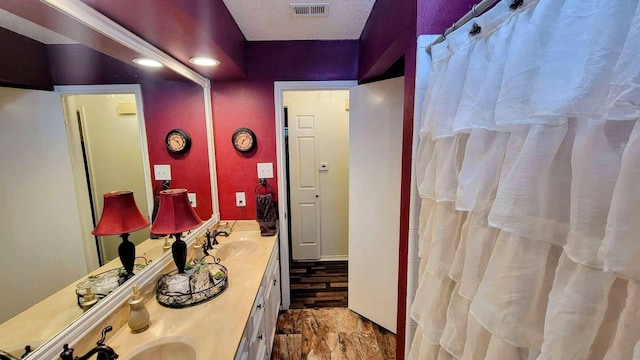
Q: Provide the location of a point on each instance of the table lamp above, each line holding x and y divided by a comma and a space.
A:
176, 215
120, 216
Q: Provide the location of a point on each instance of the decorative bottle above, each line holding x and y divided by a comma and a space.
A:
138, 314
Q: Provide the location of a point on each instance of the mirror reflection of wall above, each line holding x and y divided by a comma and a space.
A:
42, 248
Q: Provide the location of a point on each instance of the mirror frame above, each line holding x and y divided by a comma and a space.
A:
85, 14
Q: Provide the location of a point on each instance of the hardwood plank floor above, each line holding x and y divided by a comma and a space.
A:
318, 284
335, 333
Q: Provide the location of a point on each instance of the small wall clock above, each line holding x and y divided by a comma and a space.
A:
178, 141
243, 139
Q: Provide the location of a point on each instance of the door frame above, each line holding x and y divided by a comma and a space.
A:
279, 88
77, 162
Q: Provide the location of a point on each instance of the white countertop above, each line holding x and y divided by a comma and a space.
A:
213, 328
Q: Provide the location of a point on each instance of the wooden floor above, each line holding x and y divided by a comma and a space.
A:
336, 333
318, 284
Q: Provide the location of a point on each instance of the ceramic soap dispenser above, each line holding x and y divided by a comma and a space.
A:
138, 314
88, 300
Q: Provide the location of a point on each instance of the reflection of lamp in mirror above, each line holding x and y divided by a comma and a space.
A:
120, 216
176, 215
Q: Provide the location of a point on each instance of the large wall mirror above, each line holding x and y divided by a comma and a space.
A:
50, 200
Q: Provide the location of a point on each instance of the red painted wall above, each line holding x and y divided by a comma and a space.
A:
167, 104
24, 62
435, 16
390, 27
303, 60
251, 104
184, 28
242, 104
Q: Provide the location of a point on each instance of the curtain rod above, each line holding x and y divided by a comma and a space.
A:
476, 10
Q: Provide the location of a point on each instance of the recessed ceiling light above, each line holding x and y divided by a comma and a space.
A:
204, 61
147, 62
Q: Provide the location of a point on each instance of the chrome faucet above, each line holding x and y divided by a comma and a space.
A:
103, 352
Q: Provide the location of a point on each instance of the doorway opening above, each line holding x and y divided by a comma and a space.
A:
107, 141
282, 145
317, 157
375, 157
318, 173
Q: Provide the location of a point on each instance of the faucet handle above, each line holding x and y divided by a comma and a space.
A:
67, 353
104, 335
27, 350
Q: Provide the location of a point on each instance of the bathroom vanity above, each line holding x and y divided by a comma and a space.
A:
238, 324
257, 340
45, 319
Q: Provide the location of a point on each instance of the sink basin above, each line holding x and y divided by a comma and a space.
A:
173, 348
236, 248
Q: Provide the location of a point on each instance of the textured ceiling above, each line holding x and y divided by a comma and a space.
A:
26, 28
270, 20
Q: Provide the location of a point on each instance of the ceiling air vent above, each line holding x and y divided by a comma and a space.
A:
309, 9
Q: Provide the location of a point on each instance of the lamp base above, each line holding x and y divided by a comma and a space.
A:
127, 253
179, 252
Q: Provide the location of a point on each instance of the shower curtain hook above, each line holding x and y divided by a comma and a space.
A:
473, 11
475, 29
515, 4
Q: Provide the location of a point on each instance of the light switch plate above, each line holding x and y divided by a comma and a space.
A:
241, 199
162, 172
265, 170
192, 199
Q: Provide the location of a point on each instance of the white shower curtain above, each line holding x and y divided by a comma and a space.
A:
529, 172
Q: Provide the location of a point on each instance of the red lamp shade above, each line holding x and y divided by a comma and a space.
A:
175, 213
119, 215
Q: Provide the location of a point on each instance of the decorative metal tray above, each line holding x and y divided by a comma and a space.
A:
209, 280
95, 281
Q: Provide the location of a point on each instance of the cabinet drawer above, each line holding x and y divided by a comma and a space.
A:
258, 346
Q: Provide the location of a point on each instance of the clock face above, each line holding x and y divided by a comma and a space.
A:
243, 140
178, 141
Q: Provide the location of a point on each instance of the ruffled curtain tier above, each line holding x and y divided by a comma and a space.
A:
529, 169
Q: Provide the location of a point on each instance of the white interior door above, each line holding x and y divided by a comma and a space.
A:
322, 118
305, 191
375, 157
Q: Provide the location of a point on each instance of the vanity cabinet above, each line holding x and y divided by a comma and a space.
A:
257, 340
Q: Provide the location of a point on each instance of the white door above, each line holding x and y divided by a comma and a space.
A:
375, 157
319, 167
305, 187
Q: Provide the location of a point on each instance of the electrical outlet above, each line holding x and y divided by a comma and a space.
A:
162, 172
192, 199
265, 170
241, 199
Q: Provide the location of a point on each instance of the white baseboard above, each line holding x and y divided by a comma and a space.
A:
326, 258
334, 258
